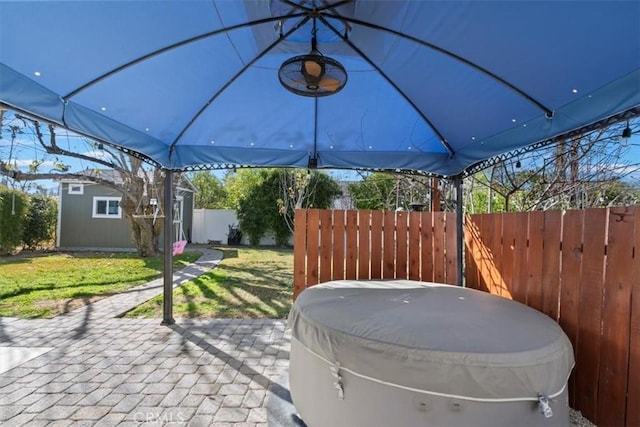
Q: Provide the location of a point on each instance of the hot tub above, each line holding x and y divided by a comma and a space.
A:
405, 353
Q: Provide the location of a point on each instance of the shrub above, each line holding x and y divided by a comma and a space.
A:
13, 206
40, 221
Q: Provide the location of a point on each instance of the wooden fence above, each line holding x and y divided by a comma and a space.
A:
334, 245
581, 268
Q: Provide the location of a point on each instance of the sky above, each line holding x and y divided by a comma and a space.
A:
26, 150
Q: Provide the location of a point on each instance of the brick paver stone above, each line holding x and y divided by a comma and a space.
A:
231, 415
128, 403
90, 413
57, 412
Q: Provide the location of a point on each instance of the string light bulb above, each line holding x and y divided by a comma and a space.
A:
626, 135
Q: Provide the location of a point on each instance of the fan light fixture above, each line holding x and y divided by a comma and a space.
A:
313, 74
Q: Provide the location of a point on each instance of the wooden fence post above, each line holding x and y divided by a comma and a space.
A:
614, 351
587, 352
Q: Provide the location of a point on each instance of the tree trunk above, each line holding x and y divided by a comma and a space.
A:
145, 231
145, 235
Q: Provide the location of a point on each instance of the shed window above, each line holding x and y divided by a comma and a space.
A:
76, 189
106, 207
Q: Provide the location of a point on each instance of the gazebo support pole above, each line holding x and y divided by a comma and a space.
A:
457, 181
167, 300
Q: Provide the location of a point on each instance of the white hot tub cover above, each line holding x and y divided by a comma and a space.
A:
434, 338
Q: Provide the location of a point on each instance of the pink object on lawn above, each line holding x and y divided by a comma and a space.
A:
178, 247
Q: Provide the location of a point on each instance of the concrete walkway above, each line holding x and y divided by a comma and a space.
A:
90, 367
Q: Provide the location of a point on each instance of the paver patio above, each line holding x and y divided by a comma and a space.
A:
90, 367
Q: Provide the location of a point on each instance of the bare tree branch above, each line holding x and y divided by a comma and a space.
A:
27, 176
131, 179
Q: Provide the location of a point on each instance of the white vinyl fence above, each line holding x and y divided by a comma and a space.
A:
211, 226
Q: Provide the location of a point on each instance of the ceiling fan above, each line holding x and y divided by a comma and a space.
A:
312, 74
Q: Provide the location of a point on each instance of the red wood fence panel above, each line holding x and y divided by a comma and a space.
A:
551, 263
450, 244
326, 246
313, 224
614, 351
472, 242
389, 254
426, 246
489, 263
520, 257
364, 232
571, 260
587, 352
438, 248
633, 391
498, 285
508, 237
402, 231
376, 244
413, 241
338, 244
534, 268
300, 252
352, 245
334, 245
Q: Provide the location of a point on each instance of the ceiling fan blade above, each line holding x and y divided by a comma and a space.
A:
329, 84
312, 68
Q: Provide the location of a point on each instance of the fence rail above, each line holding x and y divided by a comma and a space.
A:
581, 268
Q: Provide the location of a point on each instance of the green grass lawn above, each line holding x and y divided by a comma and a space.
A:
46, 285
248, 283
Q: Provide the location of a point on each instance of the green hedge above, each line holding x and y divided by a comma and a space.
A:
13, 207
40, 221
25, 220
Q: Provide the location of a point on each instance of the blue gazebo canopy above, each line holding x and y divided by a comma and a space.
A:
434, 86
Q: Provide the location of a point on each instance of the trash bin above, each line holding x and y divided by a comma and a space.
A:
235, 236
